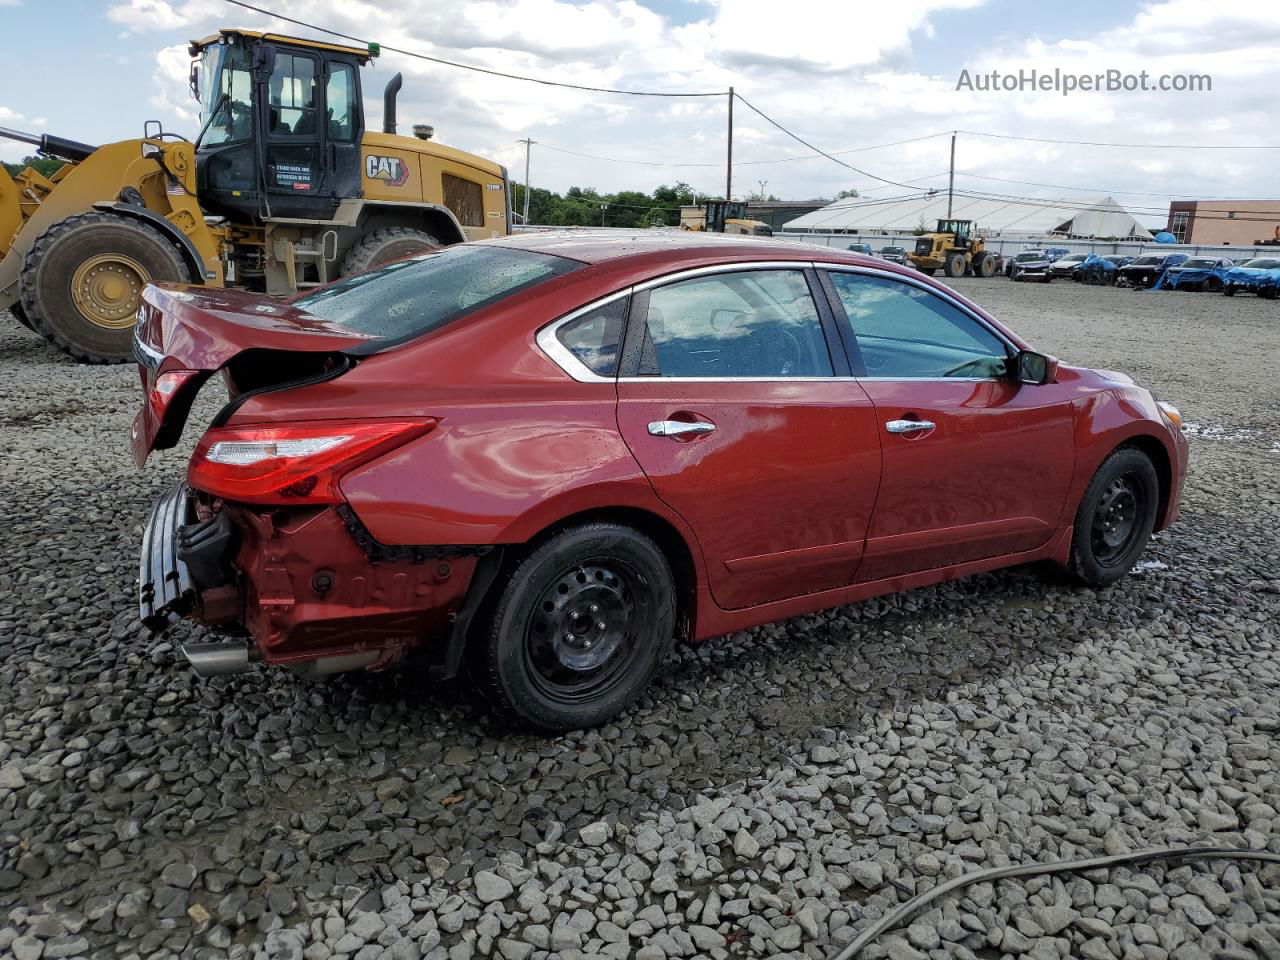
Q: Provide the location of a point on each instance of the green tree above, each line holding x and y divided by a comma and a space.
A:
45, 166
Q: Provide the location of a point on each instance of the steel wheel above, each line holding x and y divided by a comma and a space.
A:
108, 289
1115, 521
581, 635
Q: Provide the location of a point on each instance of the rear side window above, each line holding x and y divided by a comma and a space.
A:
753, 323
595, 338
411, 297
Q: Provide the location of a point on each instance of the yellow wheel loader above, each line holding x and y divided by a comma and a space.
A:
953, 249
730, 216
284, 188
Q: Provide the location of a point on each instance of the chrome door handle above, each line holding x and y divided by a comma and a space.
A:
908, 426
679, 428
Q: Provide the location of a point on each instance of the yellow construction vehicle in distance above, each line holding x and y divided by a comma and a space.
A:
730, 216
955, 250
284, 188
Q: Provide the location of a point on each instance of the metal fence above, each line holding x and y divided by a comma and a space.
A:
1001, 246
1010, 247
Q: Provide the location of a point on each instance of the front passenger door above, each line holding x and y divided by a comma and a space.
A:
976, 465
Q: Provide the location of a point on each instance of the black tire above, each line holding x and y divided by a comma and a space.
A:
928, 271
384, 246
114, 257
1212, 285
545, 660
985, 265
1115, 518
955, 266
1229, 290
19, 314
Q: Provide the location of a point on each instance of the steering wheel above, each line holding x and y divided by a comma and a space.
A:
969, 367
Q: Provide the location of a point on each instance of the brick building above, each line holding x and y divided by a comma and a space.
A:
1239, 222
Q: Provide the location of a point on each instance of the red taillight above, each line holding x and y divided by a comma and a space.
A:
295, 463
166, 387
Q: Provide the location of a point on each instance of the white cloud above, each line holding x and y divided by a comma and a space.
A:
840, 73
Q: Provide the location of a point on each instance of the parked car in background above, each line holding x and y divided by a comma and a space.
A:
1064, 267
1115, 260
548, 453
1259, 276
860, 248
1030, 265
1199, 273
1146, 270
894, 254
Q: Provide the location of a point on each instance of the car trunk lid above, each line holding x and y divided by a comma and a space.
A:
185, 335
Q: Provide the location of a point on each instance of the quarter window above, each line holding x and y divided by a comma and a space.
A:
905, 331
340, 102
753, 323
595, 338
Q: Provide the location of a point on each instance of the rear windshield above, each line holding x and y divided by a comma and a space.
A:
1263, 263
411, 297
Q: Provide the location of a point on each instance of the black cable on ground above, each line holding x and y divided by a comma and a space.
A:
897, 916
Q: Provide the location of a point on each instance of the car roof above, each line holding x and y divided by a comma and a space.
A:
599, 246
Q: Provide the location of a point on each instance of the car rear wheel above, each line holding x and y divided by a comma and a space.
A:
1115, 518
580, 629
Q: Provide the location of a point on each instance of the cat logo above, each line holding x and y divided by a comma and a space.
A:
392, 171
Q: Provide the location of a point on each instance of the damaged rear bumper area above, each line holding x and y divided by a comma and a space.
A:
182, 568
300, 588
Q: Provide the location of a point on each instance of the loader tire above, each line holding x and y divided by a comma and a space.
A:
20, 315
82, 282
386, 245
955, 266
985, 265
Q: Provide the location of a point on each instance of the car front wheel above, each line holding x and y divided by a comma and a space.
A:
1115, 518
580, 628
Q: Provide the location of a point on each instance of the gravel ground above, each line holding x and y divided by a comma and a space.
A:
776, 791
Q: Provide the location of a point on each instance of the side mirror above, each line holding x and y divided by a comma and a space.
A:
193, 79
264, 63
1034, 368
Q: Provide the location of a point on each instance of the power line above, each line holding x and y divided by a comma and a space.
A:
1127, 193
1140, 146
471, 66
747, 103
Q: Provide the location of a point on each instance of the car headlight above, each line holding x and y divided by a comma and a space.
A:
1170, 413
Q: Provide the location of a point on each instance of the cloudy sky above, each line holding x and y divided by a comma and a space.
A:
847, 75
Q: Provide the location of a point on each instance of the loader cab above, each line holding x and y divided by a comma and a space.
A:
959, 229
281, 122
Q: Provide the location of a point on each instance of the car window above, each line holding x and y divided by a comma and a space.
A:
1147, 261
595, 338
905, 331
752, 323
411, 297
1263, 263
1200, 263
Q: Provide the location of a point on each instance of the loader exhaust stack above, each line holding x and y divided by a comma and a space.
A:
389, 103
54, 146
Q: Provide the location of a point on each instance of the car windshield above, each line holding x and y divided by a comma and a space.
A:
1147, 261
1263, 263
1027, 257
1076, 258
1199, 263
892, 250
411, 297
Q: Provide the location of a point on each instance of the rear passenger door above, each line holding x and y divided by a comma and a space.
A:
735, 398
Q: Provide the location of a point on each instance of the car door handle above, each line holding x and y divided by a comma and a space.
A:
909, 426
679, 428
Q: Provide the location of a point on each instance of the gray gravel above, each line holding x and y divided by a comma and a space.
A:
777, 791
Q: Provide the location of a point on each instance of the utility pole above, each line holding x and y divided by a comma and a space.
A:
951, 181
603, 208
528, 148
728, 166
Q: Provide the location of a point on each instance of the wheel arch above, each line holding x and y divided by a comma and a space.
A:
190, 255
1156, 452
673, 543
435, 219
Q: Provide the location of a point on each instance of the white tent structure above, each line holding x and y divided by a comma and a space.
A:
1017, 219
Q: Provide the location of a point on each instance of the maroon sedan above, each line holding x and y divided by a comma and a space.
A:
550, 456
